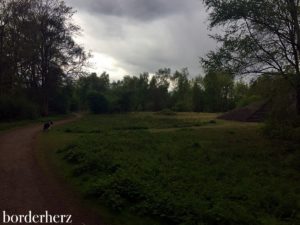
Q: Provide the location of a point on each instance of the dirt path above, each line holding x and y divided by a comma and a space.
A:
24, 187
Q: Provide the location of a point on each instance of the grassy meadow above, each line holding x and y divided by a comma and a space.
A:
185, 169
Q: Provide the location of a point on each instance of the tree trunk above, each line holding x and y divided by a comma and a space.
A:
294, 11
1, 60
45, 109
298, 100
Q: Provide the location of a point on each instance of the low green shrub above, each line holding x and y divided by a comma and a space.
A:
278, 130
287, 129
167, 112
247, 100
98, 103
189, 177
12, 108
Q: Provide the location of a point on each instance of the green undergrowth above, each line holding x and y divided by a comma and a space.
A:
115, 122
224, 175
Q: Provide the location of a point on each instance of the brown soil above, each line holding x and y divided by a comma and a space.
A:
24, 186
255, 112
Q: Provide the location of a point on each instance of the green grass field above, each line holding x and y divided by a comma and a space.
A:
187, 169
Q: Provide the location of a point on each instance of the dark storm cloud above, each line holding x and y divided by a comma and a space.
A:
144, 35
136, 9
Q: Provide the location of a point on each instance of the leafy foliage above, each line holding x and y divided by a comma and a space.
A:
216, 92
260, 36
217, 175
97, 103
38, 54
17, 108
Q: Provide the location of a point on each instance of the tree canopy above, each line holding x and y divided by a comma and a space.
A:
37, 51
259, 36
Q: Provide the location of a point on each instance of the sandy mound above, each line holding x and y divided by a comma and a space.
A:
255, 112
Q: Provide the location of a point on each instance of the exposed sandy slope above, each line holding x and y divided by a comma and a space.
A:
24, 187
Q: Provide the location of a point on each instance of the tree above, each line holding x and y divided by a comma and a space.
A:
182, 98
142, 92
90, 84
4, 18
98, 103
242, 96
37, 50
158, 90
56, 44
260, 36
198, 94
218, 91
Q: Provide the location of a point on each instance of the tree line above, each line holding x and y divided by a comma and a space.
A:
42, 67
164, 90
41, 71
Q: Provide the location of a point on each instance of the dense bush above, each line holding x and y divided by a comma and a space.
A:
247, 100
167, 112
282, 119
60, 104
17, 108
98, 103
276, 129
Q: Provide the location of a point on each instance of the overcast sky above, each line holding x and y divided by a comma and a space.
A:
128, 37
